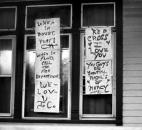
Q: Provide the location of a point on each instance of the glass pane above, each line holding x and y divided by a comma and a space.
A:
7, 18
97, 104
30, 80
5, 90
39, 12
98, 15
31, 43
5, 56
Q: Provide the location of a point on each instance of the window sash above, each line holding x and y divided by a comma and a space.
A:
97, 116
68, 90
54, 5
15, 19
12, 76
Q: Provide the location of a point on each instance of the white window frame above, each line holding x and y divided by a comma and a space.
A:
12, 75
97, 116
97, 4
11, 29
69, 85
48, 6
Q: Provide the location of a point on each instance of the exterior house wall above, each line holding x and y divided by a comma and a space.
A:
132, 70
132, 62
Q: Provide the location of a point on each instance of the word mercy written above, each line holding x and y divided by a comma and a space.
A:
47, 65
98, 60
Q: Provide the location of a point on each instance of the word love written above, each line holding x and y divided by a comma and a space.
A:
98, 44
46, 93
47, 65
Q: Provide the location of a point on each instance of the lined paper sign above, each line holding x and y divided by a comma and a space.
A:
47, 66
98, 77
98, 43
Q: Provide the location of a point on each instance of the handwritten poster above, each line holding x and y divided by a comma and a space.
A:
47, 66
47, 33
98, 60
98, 77
98, 43
46, 94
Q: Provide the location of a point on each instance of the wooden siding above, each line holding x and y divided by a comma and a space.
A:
132, 62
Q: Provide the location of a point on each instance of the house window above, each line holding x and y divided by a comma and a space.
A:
8, 15
7, 75
63, 11
98, 104
33, 13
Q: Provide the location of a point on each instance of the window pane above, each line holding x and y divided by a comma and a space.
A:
31, 43
97, 104
39, 12
5, 56
7, 18
30, 80
5, 93
98, 15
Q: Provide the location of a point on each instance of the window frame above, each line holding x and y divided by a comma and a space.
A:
69, 84
118, 120
97, 116
114, 4
12, 87
82, 34
12, 29
48, 5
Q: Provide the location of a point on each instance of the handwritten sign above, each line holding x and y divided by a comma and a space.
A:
47, 34
47, 66
46, 94
98, 43
98, 60
98, 77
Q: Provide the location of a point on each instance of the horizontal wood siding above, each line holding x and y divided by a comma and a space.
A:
132, 62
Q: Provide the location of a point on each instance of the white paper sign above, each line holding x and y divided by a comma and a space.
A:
98, 43
47, 65
47, 96
98, 77
47, 34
